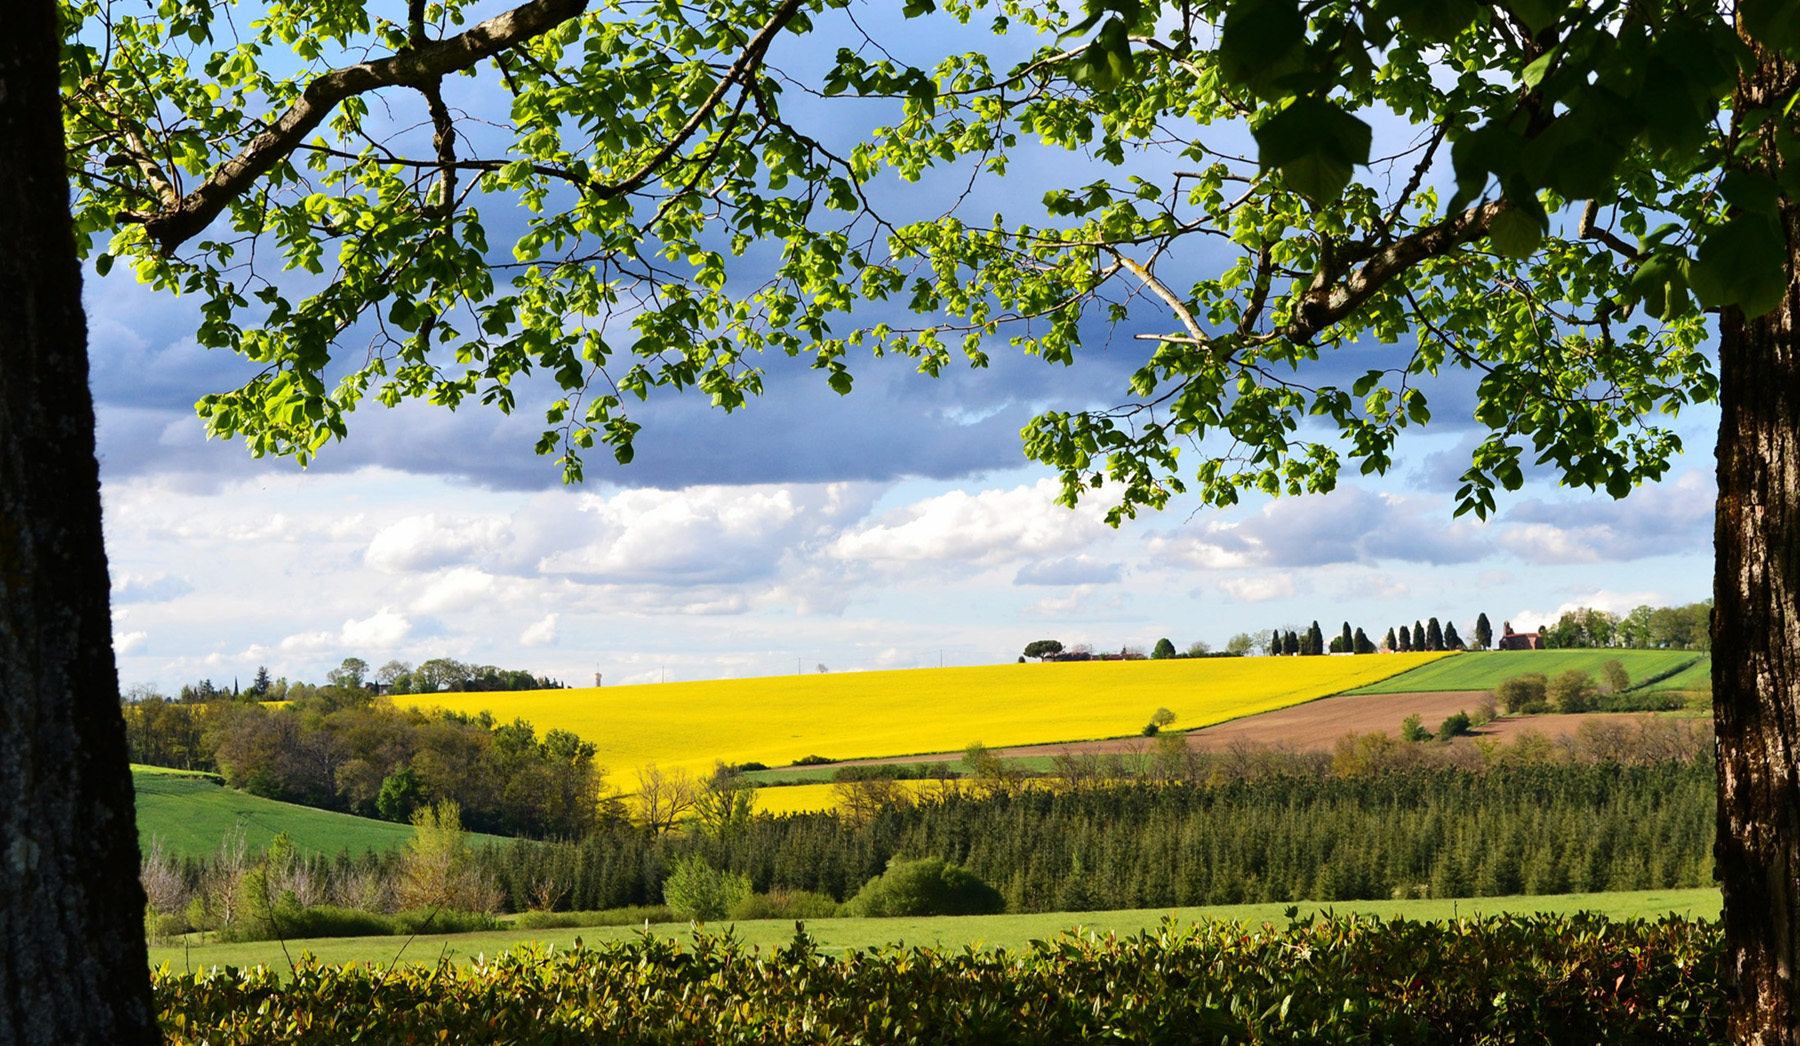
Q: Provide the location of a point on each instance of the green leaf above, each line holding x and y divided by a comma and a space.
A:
1661, 284
1774, 23
1514, 233
1260, 41
1315, 145
1538, 14
103, 264
1742, 263
1750, 192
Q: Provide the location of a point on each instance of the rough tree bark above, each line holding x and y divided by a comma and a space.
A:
72, 962
1756, 634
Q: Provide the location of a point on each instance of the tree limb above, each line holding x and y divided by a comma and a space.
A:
172, 227
1334, 295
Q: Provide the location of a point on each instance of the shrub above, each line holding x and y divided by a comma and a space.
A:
813, 760
1520, 692
1573, 691
1412, 729
786, 904
1452, 726
1485, 712
928, 886
699, 892
1617, 679
635, 915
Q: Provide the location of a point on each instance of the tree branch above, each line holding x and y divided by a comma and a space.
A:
172, 227
1328, 300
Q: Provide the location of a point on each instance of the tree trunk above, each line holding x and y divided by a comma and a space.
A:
72, 962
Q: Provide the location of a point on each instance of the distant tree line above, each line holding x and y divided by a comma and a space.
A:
1644, 628
438, 675
343, 748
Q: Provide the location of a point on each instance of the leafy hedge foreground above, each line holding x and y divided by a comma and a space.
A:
1542, 979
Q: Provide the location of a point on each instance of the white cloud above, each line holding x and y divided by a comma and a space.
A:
129, 641
542, 633
379, 631
1620, 603
427, 542
1668, 519
1259, 588
989, 527
457, 589
1350, 525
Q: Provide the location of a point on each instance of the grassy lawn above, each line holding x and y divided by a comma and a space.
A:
982, 931
1696, 678
191, 813
1484, 671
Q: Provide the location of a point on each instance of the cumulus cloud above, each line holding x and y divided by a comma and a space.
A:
989, 527
459, 588
1259, 588
541, 633
426, 542
1350, 525
699, 535
383, 629
128, 642
1668, 519
1620, 603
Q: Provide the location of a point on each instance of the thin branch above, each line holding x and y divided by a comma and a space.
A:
1586, 230
172, 227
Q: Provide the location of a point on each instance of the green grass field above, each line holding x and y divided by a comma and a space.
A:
1484, 671
977, 931
191, 813
1695, 678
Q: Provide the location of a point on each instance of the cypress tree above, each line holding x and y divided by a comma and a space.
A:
1349, 639
1405, 639
1419, 636
1393, 643
1434, 635
1361, 644
1484, 632
1315, 638
1275, 643
1452, 641
1291, 644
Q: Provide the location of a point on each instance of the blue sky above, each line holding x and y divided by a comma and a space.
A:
897, 527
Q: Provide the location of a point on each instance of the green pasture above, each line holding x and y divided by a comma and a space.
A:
1695, 678
192, 813
1484, 671
974, 931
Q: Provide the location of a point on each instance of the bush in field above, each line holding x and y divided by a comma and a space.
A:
786, 904
699, 892
1617, 679
1412, 729
1452, 726
928, 886
1573, 691
1521, 692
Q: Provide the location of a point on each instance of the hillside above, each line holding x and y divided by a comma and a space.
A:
777, 720
1484, 671
192, 813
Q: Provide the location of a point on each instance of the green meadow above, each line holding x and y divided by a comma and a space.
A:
1486, 670
190, 814
953, 932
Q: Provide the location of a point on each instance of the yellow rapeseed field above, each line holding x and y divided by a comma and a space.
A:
779, 719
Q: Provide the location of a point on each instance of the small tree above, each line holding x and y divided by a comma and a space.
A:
1158, 719
1164, 649
1484, 632
1452, 726
696, 891
1043, 648
664, 796
1452, 641
1240, 644
1412, 729
1348, 637
724, 805
1315, 640
1290, 644
1617, 679
1522, 693
350, 674
1422, 639
928, 886
433, 865
1572, 691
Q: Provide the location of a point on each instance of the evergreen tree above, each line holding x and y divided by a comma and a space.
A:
1452, 641
1315, 639
1419, 636
1164, 649
1349, 639
1434, 635
1361, 644
1484, 632
1291, 644
1405, 639
1276, 643
261, 684
1393, 642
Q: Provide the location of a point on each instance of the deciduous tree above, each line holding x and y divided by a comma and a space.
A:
1604, 220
